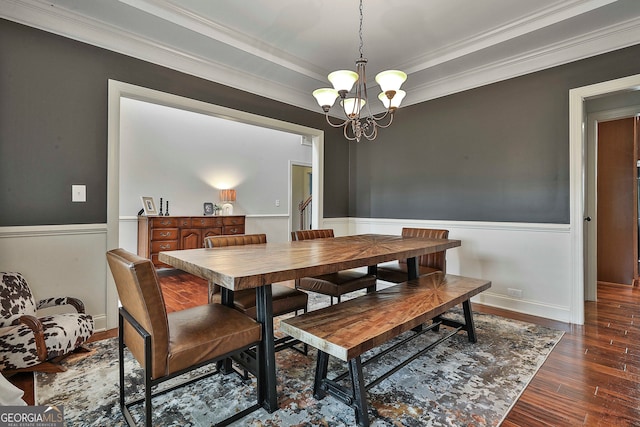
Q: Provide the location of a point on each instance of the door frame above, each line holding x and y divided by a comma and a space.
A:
577, 177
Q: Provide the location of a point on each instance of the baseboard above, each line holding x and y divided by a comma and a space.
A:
533, 308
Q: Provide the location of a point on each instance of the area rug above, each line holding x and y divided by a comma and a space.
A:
456, 384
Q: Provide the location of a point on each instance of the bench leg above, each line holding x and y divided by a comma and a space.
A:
321, 374
468, 320
359, 392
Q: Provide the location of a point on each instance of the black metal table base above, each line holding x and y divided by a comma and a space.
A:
356, 395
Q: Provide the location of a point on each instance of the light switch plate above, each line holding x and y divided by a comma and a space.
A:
78, 193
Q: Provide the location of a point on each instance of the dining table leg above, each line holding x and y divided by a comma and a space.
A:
264, 315
412, 268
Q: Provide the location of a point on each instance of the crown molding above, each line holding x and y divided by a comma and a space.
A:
43, 16
595, 43
524, 25
179, 15
48, 17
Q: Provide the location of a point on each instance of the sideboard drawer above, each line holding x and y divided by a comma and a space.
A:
166, 245
164, 234
209, 222
233, 220
233, 229
161, 222
184, 222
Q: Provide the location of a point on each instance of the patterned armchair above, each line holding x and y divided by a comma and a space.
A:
33, 343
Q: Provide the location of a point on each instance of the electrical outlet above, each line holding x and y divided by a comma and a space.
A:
516, 293
277, 203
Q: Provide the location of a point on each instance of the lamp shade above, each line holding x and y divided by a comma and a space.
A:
395, 101
343, 80
325, 96
228, 195
351, 107
391, 80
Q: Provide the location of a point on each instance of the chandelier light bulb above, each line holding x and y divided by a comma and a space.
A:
391, 80
343, 80
351, 108
393, 102
325, 97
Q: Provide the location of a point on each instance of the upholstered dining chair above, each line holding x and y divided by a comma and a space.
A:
397, 272
285, 298
29, 342
333, 284
171, 344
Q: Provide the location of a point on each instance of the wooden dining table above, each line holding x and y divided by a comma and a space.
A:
258, 266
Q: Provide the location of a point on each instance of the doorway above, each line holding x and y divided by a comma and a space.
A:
301, 196
118, 90
611, 194
577, 180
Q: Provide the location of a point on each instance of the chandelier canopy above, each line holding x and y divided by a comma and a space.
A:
359, 120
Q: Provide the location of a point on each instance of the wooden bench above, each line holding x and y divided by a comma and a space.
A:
349, 329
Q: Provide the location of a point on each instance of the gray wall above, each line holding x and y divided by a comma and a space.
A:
53, 124
495, 153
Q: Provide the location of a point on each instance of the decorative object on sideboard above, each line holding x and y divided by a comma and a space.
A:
160, 212
149, 206
166, 212
359, 120
208, 208
227, 197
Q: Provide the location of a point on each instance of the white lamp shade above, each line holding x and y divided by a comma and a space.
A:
351, 106
395, 101
343, 79
390, 80
325, 96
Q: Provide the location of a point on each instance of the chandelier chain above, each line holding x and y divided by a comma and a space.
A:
360, 31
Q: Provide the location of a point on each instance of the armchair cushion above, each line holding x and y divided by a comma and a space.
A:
62, 333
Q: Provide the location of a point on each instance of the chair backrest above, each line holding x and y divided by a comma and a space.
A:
234, 240
313, 234
140, 294
16, 298
436, 260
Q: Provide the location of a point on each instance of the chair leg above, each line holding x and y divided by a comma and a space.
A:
147, 380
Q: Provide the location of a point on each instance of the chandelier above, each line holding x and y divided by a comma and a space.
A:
359, 120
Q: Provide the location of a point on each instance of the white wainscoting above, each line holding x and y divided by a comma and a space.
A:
60, 260
532, 258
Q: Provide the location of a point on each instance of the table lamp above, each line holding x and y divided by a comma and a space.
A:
227, 197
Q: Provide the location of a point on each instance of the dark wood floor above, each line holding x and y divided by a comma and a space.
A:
592, 377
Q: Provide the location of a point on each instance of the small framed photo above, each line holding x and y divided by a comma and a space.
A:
149, 206
208, 208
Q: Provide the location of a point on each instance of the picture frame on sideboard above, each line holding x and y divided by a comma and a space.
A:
149, 206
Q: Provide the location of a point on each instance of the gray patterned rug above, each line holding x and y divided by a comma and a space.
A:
455, 384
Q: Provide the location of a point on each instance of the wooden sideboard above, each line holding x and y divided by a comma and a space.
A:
170, 233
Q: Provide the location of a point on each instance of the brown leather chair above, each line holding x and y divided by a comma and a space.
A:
167, 345
285, 299
333, 284
396, 272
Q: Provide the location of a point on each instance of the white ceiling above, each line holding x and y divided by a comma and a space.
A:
283, 49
